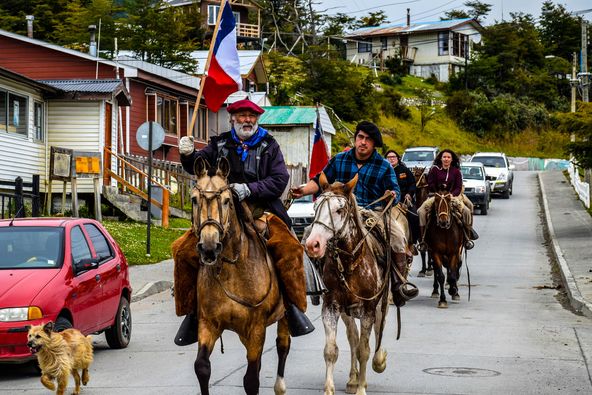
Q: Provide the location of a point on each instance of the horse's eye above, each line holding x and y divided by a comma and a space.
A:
194, 199
226, 201
340, 211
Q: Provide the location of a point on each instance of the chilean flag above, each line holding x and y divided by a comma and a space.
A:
319, 157
223, 75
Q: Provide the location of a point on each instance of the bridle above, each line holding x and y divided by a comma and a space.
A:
325, 198
209, 196
445, 212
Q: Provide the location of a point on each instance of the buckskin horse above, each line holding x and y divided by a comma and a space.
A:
237, 285
445, 239
357, 284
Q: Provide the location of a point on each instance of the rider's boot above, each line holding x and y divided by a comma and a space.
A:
472, 235
401, 289
187, 333
421, 245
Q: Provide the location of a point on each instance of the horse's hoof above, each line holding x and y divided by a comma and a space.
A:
435, 295
456, 297
430, 272
442, 305
421, 274
351, 388
280, 386
379, 361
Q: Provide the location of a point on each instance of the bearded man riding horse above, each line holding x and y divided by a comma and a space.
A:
258, 176
375, 177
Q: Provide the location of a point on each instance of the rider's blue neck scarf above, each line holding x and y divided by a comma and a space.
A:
244, 146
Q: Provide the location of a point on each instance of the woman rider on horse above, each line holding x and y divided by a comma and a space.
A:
406, 181
445, 175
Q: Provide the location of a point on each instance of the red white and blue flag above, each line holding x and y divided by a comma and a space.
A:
223, 75
319, 157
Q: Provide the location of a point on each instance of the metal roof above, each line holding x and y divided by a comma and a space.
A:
86, 86
125, 58
413, 28
293, 115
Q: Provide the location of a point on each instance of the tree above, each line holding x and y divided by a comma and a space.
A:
559, 31
159, 34
373, 19
426, 104
580, 124
337, 24
476, 10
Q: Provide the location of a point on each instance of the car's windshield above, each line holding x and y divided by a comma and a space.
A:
418, 156
303, 199
471, 173
491, 161
31, 247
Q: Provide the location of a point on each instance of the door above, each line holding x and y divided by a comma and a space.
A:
108, 137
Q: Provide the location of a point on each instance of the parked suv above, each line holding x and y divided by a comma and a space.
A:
302, 214
477, 188
498, 170
420, 157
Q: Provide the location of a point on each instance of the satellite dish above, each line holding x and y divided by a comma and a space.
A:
157, 135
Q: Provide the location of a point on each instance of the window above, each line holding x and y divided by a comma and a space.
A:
383, 43
13, 113
200, 129
99, 242
166, 114
80, 249
459, 44
443, 43
364, 47
213, 11
39, 122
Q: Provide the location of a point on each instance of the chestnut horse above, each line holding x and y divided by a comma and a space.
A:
237, 285
357, 284
445, 239
421, 194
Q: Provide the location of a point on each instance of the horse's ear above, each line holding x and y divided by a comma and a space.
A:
223, 167
323, 181
200, 167
351, 184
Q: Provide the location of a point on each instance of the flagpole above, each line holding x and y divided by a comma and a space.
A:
206, 67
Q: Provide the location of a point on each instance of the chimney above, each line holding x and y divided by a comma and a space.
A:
92, 50
30, 19
408, 17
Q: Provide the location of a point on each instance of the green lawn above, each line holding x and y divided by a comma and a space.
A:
132, 237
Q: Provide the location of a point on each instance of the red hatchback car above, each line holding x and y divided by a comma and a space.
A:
66, 270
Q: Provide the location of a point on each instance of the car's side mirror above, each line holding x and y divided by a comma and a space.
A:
86, 264
511, 167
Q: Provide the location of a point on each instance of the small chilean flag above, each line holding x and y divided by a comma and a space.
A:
319, 157
223, 75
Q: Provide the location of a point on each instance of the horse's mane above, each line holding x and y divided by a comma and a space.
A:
356, 211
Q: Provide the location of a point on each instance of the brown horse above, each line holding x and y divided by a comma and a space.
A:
421, 195
237, 285
358, 285
445, 239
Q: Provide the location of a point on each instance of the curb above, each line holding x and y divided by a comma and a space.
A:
575, 297
151, 288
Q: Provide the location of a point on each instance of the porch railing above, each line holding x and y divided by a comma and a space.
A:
135, 180
13, 195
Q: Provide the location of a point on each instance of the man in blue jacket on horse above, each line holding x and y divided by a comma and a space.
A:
258, 175
375, 177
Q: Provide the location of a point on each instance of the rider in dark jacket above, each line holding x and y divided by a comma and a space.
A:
258, 175
406, 181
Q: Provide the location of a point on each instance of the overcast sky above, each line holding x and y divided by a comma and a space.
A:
432, 10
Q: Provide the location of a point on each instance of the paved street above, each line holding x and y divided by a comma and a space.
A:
514, 336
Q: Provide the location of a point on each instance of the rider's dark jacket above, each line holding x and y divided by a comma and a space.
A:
445, 179
264, 170
406, 180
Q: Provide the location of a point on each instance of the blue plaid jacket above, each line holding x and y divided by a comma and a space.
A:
374, 177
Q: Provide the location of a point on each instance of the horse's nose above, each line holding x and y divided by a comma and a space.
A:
313, 248
209, 255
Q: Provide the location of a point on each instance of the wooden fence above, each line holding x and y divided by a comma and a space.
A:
13, 195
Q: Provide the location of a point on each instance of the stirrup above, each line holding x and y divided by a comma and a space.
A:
422, 246
298, 322
469, 245
187, 333
411, 293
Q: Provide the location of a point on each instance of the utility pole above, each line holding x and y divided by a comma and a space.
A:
584, 61
574, 85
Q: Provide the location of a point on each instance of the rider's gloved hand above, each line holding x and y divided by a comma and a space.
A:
242, 191
186, 146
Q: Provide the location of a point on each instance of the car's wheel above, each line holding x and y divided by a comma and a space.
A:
62, 323
120, 333
511, 187
506, 194
484, 208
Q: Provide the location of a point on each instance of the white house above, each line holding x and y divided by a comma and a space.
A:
438, 48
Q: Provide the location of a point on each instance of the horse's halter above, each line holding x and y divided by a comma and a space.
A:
443, 223
209, 196
325, 199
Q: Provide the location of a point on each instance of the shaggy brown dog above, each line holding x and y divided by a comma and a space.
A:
59, 354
